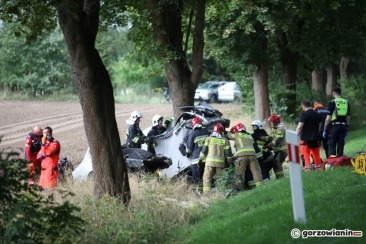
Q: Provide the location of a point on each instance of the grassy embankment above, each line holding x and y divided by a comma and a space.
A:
170, 212
333, 199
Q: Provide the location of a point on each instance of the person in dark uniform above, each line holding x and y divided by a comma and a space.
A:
196, 139
323, 112
157, 128
338, 120
134, 135
264, 155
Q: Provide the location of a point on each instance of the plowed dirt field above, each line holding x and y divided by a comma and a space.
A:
66, 119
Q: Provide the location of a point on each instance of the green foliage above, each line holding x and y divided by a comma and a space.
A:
354, 90
29, 215
225, 180
37, 68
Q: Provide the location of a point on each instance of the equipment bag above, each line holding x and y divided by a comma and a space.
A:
337, 162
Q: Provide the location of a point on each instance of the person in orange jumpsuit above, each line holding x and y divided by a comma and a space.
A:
48, 157
32, 147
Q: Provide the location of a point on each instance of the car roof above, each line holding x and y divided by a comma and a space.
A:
229, 84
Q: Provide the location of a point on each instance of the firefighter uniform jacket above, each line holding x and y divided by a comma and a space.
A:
278, 142
195, 141
155, 130
216, 151
243, 144
135, 137
259, 137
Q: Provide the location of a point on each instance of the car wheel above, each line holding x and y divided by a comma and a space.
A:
237, 100
213, 99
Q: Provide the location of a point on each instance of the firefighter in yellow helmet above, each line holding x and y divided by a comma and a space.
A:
245, 155
216, 151
277, 140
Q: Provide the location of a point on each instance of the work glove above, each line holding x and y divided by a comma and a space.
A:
325, 134
44, 139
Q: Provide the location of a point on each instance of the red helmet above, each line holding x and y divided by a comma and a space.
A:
274, 119
237, 128
196, 121
218, 128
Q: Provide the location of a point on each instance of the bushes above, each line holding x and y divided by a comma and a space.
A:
29, 215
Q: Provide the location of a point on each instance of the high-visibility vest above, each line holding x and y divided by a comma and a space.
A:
341, 108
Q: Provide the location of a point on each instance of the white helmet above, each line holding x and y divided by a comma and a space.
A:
258, 123
134, 116
155, 119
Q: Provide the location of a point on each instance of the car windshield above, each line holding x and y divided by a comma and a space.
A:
208, 85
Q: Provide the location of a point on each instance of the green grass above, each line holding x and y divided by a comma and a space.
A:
355, 141
333, 199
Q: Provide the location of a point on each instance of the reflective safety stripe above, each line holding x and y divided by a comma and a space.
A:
195, 161
206, 189
260, 183
259, 154
251, 183
200, 140
244, 143
215, 159
136, 139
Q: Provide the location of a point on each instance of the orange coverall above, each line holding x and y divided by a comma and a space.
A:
49, 155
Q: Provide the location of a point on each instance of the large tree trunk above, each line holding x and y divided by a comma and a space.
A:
289, 61
343, 66
317, 80
166, 17
331, 80
79, 21
261, 95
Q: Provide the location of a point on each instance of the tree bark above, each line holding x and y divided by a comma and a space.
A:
289, 62
261, 94
79, 21
317, 80
166, 18
331, 80
343, 66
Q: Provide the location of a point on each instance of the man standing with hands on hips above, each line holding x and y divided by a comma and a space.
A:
339, 120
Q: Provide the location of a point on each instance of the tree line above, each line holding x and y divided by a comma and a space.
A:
296, 39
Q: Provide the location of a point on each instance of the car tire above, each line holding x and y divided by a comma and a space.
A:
237, 100
213, 99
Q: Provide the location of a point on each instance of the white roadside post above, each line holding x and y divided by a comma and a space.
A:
295, 168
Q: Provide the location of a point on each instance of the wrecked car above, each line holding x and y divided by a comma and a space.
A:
136, 160
169, 161
170, 141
